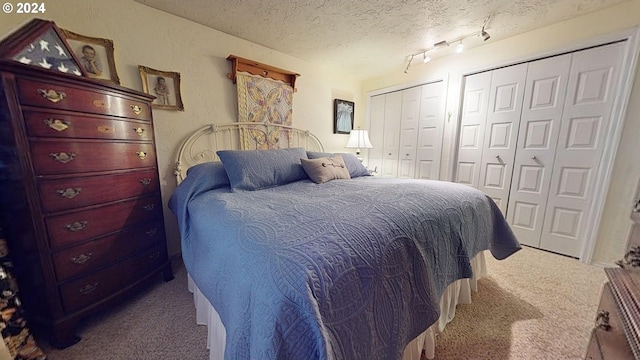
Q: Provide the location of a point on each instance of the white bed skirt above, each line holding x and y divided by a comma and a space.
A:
457, 293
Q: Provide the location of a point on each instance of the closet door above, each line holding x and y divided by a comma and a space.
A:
376, 126
409, 124
535, 151
472, 123
501, 132
391, 142
592, 88
430, 131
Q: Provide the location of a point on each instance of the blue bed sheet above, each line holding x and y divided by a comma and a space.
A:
349, 269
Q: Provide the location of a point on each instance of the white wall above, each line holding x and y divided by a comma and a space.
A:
144, 36
615, 223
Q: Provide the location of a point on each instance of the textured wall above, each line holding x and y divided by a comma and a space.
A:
144, 36
615, 223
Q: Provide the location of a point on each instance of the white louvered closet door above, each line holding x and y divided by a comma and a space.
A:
501, 132
592, 90
472, 123
391, 142
535, 151
430, 131
376, 136
409, 125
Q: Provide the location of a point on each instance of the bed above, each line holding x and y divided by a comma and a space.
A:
295, 253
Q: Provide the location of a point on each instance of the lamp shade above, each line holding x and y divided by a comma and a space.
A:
359, 139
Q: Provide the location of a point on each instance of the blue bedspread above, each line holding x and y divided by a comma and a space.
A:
349, 269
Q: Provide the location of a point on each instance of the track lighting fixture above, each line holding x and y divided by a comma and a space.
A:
443, 44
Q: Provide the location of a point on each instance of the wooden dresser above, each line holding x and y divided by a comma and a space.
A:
80, 194
616, 334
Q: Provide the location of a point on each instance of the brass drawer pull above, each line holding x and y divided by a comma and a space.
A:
106, 129
138, 130
152, 232
602, 320
149, 207
99, 103
89, 288
62, 157
82, 258
76, 226
136, 109
57, 124
52, 95
141, 154
145, 182
69, 193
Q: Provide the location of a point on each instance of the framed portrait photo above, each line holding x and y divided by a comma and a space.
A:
95, 56
343, 115
164, 85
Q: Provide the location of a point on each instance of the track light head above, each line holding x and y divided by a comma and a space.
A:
485, 35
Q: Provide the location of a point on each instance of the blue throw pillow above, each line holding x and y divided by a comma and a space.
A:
261, 169
212, 171
350, 160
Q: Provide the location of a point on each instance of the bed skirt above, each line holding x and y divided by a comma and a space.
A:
458, 292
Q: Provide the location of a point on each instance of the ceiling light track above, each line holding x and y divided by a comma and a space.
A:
443, 44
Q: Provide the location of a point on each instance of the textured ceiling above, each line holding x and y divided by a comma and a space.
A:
371, 37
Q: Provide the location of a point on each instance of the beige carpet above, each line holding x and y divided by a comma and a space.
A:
534, 305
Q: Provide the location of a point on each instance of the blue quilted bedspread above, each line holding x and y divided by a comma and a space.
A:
349, 269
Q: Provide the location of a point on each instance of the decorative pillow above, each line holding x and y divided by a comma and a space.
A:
212, 171
325, 169
261, 169
354, 165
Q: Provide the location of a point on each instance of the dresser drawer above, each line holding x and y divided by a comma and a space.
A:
68, 193
102, 284
64, 97
611, 342
67, 125
65, 157
88, 257
67, 229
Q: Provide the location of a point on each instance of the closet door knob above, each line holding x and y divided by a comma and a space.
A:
534, 157
498, 157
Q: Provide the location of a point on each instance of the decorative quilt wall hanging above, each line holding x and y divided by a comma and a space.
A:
263, 100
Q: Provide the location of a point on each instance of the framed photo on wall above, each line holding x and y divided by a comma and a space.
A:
95, 56
164, 85
343, 115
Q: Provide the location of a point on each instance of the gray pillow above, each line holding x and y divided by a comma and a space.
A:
354, 165
261, 169
325, 169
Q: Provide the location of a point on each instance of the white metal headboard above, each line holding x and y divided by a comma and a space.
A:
201, 146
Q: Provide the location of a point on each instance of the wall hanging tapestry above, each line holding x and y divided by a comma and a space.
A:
263, 100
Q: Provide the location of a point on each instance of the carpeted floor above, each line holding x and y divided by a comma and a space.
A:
534, 305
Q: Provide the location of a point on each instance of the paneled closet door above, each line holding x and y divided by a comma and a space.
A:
592, 88
501, 132
376, 135
472, 123
391, 142
544, 98
409, 125
431, 131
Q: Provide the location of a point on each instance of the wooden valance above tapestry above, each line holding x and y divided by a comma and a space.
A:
256, 68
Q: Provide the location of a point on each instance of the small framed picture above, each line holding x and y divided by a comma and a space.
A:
95, 56
164, 85
343, 112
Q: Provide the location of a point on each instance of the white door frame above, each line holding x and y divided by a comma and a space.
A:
618, 115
